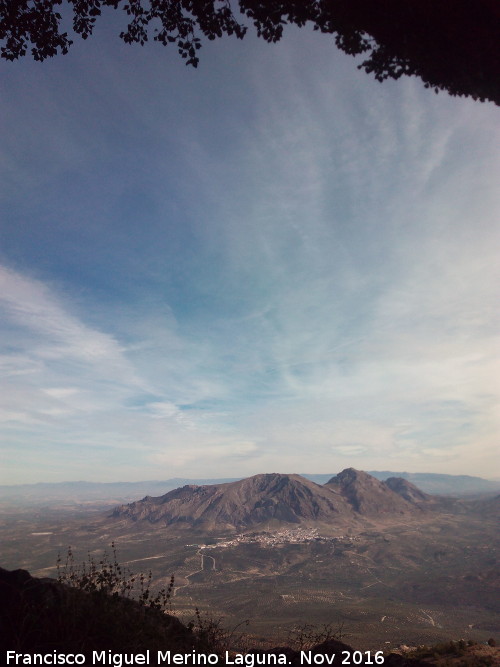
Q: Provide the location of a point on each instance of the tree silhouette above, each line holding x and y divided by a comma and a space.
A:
451, 45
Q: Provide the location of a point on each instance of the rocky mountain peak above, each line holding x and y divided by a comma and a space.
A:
274, 498
368, 495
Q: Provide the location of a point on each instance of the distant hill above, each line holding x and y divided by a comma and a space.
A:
433, 483
406, 490
81, 492
242, 504
112, 493
488, 507
348, 498
370, 497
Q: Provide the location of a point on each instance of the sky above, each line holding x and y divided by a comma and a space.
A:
271, 263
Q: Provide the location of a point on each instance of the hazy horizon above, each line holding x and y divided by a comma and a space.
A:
160, 480
270, 262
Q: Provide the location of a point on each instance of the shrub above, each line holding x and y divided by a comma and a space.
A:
98, 605
108, 577
304, 637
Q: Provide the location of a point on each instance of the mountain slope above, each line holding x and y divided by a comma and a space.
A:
243, 504
407, 490
350, 498
443, 484
370, 497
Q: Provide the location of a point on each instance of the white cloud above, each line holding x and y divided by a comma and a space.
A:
29, 304
350, 450
332, 293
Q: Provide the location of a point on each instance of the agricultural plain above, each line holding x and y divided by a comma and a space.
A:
414, 582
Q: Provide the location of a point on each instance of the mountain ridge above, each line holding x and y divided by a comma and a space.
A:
370, 496
350, 498
83, 491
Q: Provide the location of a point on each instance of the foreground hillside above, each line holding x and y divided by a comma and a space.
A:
46, 617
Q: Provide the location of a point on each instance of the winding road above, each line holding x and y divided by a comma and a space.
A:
202, 568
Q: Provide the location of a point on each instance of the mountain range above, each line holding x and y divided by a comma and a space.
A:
350, 498
81, 492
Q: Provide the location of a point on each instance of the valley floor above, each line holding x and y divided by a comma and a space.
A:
415, 583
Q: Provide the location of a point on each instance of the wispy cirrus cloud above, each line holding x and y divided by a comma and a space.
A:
304, 277
70, 387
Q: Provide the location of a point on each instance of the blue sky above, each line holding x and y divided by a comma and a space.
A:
270, 263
